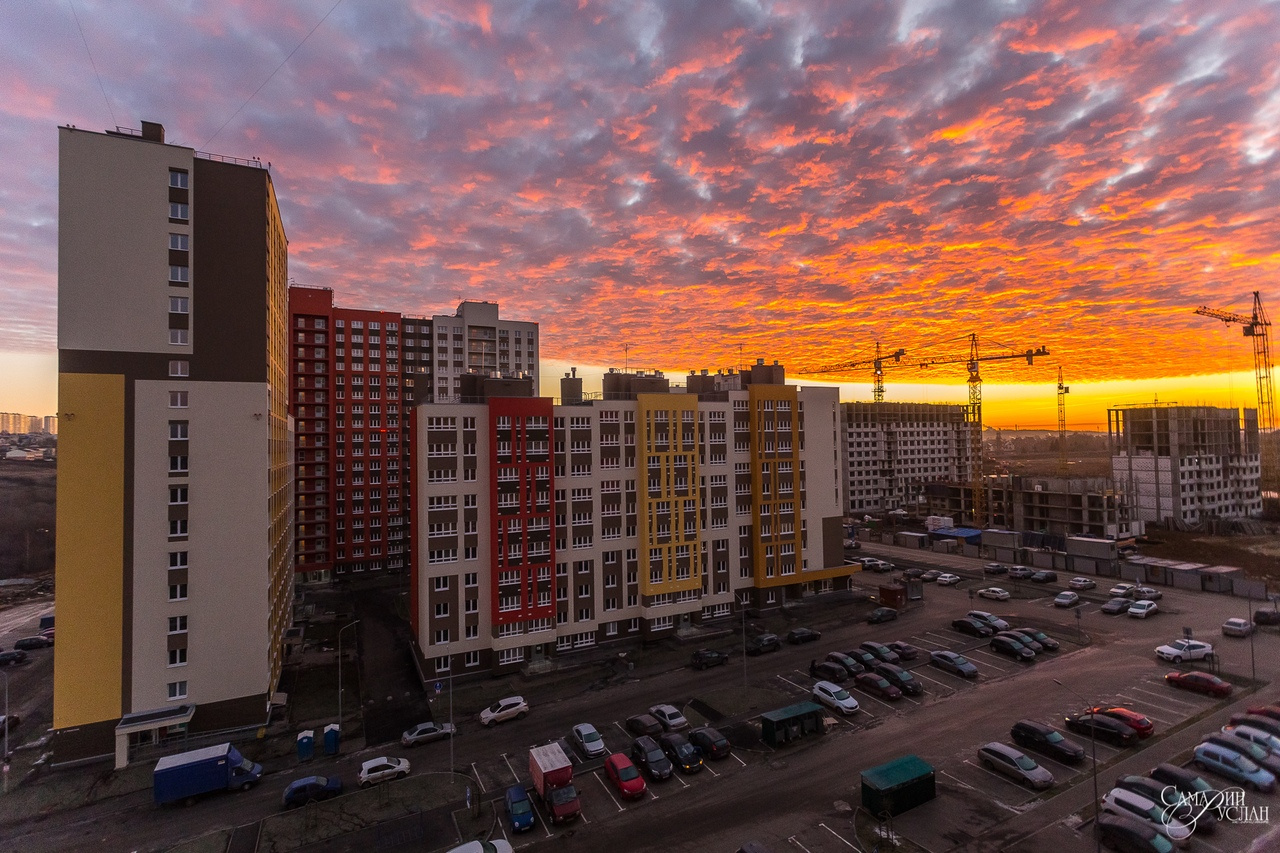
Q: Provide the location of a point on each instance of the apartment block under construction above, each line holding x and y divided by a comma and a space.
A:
1186, 464
893, 449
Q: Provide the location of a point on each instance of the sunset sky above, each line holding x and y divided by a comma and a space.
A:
714, 182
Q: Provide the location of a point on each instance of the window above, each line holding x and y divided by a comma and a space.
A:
471, 578
179, 242
177, 399
179, 338
178, 494
177, 464
177, 624
179, 274
179, 305
180, 212
178, 560
177, 657
440, 584
177, 690
442, 637
178, 179
177, 527
177, 592
178, 367
442, 609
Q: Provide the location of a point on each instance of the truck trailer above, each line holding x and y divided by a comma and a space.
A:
188, 775
553, 781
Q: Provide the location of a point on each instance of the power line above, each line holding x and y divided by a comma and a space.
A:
271, 75
110, 111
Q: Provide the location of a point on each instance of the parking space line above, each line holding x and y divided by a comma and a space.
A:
918, 674
676, 774
740, 761
607, 791
1042, 759
838, 835
1000, 662
1164, 698
792, 683
476, 773
707, 767
792, 839
869, 696
959, 782
507, 761
1002, 779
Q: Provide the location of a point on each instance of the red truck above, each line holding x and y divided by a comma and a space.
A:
553, 780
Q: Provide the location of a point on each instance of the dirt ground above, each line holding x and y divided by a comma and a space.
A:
1259, 556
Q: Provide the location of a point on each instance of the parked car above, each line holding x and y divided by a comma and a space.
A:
427, 732
1122, 590
931, 576
1267, 617
1066, 599
13, 658
1015, 764
900, 678
865, 658
623, 775
1149, 593
381, 769
994, 592
834, 697
796, 636
1235, 627
1180, 650
644, 724
1046, 740
9, 722
1171, 801
1044, 577
682, 753
1230, 764
875, 683
1082, 583
880, 651
913, 573
995, 569
1191, 785
1131, 718
1266, 740
948, 579
511, 708
669, 716
1144, 608
310, 789
704, 658
851, 666
762, 643
1116, 606
1102, 727
711, 742
972, 627
1049, 643
27, 644
1257, 721
1021, 638
1117, 832
904, 651
497, 845
1272, 711
1200, 682
990, 619
954, 663
1255, 752
1020, 573
1011, 648
1119, 801
649, 757
519, 808
881, 614
828, 671
588, 740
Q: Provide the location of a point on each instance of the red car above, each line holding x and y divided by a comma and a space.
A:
1131, 718
1200, 682
624, 776
1272, 711
877, 684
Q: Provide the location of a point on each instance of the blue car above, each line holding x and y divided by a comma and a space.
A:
311, 789
1231, 764
519, 808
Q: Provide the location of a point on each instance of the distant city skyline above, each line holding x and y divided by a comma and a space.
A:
710, 183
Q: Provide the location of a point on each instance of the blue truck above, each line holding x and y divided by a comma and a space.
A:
201, 771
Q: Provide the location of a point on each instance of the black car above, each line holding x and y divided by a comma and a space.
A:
865, 658
1128, 834
711, 742
901, 679
931, 576
1116, 606
881, 614
1188, 783
682, 753
1103, 727
972, 627
1011, 648
913, 573
762, 643
644, 724
851, 666
1046, 740
880, 651
825, 670
1044, 577
1170, 799
953, 663
311, 789
649, 757
704, 658
904, 651
29, 643
12, 658
1021, 638
1049, 643
995, 569
796, 636
1266, 617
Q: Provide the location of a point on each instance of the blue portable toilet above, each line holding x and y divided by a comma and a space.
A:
332, 739
306, 745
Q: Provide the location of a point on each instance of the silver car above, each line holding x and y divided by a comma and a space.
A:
835, 697
1015, 764
427, 732
588, 740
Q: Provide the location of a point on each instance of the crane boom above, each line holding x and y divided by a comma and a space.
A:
877, 365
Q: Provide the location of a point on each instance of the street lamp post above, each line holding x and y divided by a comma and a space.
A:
1093, 748
742, 604
6, 731
340, 630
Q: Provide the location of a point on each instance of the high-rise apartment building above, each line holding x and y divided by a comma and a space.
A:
356, 375
547, 528
893, 449
174, 539
1186, 464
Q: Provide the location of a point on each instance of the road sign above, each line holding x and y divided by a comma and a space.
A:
439, 686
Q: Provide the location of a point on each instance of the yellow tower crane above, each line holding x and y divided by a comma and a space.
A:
876, 364
973, 416
1258, 327
1063, 391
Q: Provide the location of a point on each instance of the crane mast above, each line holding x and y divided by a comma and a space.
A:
1063, 391
876, 364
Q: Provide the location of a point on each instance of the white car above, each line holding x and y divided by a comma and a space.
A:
497, 845
948, 579
994, 592
377, 770
427, 732
1237, 627
670, 717
511, 708
1119, 801
1143, 609
1081, 583
835, 697
1180, 650
1066, 599
589, 740
1147, 593
1122, 590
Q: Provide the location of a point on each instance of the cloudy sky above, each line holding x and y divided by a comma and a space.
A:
713, 181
